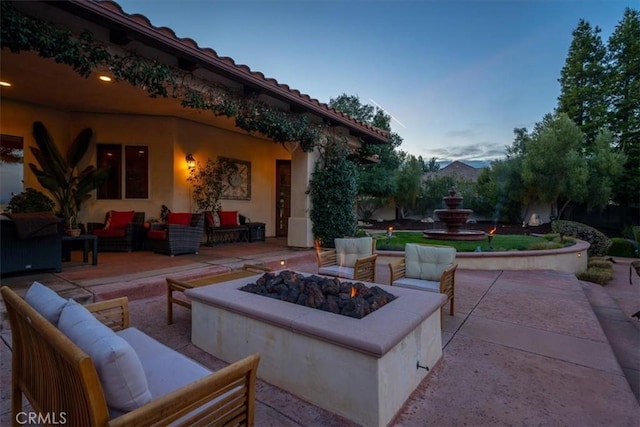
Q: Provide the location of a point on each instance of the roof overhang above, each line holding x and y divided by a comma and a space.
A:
124, 30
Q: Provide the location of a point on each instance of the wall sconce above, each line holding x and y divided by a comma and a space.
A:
191, 162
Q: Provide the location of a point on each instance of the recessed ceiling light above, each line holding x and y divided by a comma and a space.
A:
105, 78
5, 84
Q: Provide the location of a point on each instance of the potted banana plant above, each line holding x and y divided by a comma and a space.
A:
60, 175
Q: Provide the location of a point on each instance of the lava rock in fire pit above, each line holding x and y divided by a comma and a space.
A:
328, 294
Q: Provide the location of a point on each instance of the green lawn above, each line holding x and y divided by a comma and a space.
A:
503, 242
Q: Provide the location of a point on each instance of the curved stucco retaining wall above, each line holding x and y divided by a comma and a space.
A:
572, 259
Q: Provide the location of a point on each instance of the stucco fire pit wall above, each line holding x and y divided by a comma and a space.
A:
363, 369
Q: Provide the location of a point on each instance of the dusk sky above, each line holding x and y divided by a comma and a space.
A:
456, 76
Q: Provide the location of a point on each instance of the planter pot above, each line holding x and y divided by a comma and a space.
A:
74, 232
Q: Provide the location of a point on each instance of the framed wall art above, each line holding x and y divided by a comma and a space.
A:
238, 181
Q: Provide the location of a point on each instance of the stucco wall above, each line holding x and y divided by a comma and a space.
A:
169, 141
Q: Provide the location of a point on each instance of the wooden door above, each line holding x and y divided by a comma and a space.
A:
283, 197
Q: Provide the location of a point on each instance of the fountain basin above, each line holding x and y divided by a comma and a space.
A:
363, 369
570, 259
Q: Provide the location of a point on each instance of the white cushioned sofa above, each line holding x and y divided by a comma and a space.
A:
113, 374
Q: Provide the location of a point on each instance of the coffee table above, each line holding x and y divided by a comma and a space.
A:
181, 285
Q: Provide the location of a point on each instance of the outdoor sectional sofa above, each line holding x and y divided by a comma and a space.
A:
87, 367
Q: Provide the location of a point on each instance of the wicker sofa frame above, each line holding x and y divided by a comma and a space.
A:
57, 377
132, 240
180, 239
226, 233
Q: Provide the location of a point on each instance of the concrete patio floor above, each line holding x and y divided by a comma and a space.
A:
524, 348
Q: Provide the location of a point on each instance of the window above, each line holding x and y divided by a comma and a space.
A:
11, 167
129, 174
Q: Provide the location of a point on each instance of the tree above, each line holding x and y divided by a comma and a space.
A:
409, 182
623, 77
500, 191
429, 166
209, 182
582, 82
605, 166
333, 189
376, 182
554, 163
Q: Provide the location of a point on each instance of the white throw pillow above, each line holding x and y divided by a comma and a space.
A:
118, 366
45, 301
349, 249
427, 262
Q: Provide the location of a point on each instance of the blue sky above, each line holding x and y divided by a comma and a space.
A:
457, 76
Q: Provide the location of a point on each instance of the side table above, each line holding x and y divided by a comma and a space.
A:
256, 231
89, 243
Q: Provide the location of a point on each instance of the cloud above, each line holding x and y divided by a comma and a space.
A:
483, 151
460, 133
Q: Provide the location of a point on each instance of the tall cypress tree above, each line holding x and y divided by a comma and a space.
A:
582, 82
623, 70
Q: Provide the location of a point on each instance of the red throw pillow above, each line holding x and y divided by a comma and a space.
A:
229, 218
179, 218
118, 220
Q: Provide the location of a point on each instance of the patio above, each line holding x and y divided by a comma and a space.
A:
512, 355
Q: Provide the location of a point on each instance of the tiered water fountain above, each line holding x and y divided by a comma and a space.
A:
453, 217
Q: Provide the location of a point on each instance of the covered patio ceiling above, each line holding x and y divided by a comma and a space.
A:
43, 82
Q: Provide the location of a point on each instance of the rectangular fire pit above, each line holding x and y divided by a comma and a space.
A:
363, 369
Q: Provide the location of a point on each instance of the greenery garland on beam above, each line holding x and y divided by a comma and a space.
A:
19, 32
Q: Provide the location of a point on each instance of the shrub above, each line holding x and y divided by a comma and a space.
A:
545, 245
601, 276
30, 200
599, 263
333, 190
599, 242
621, 247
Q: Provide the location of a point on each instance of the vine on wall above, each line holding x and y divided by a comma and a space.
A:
19, 32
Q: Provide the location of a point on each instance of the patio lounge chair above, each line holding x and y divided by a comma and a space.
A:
86, 367
353, 258
181, 234
427, 268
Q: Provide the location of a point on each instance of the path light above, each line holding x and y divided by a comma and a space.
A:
389, 232
490, 236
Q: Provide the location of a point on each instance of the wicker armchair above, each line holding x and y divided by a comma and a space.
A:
180, 237
427, 268
127, 238
353, 258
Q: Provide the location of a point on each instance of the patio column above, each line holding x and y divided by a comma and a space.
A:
300, 234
